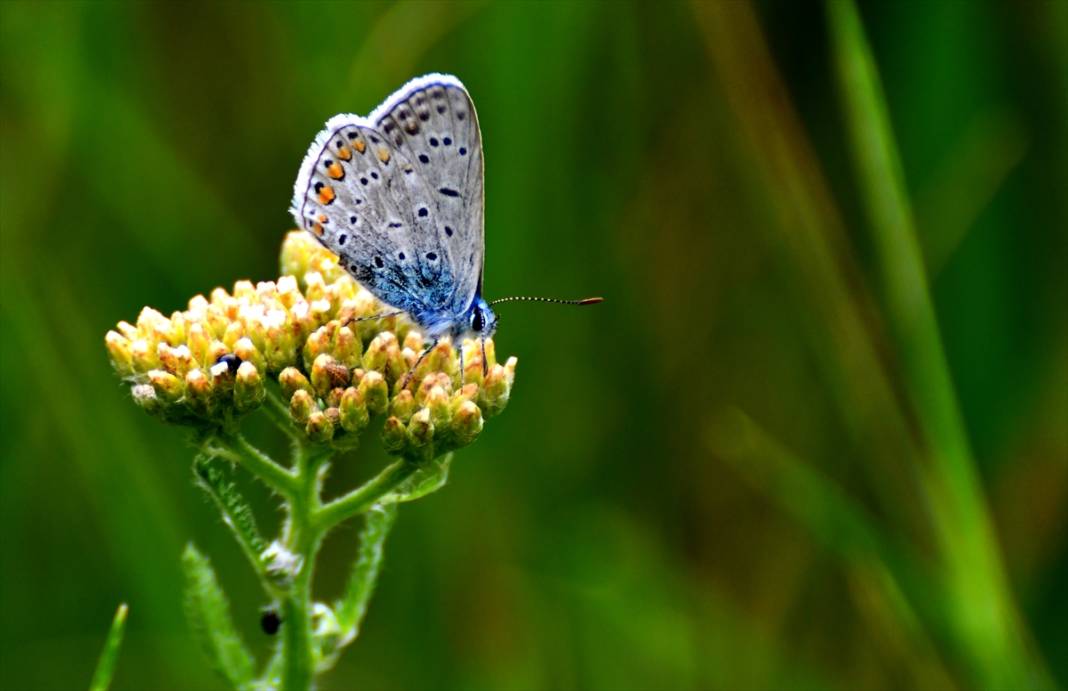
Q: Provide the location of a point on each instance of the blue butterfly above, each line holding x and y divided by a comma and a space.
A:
399, 197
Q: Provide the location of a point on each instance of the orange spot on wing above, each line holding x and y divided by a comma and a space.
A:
326, 195
343, 153
318, 229
383, 155
360, 145
335, 171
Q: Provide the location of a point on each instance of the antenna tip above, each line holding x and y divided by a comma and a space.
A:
590, 301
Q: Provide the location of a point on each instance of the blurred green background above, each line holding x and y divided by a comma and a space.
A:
757, 465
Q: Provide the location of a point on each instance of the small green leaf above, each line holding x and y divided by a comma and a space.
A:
209, 617
212, 477
105, 668
427, 479
353, 605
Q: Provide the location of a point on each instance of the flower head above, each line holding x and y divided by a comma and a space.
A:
298, 339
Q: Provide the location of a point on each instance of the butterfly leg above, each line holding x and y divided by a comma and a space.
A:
485, 365
380, 315
461, 349
411, 370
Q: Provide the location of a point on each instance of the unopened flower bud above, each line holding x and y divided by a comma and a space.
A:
437, 402
327, 373
347, 347
319, 427
394, 435
143, 356
144, 395
403, 406
375, 395
119, 352
466, 423
168, 387
383, 354
354, 416
301, 406
421, 429
199, 391
246, 350
249, 390
291, 380
496, 390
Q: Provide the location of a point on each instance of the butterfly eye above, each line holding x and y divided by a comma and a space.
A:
477, 321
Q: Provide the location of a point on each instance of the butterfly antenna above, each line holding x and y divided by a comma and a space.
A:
557, 301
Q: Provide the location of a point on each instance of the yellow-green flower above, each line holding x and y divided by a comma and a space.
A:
297, 339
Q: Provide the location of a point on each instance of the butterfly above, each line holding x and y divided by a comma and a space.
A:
399, 197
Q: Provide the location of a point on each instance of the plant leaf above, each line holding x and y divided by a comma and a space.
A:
426, 480
352, 606
212, 477
209, 617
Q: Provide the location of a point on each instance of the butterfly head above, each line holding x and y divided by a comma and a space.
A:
481, 319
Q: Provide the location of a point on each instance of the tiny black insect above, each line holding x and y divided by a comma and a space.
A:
270, 622
232, 362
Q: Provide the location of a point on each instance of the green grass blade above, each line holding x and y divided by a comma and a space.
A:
983, 614
209, 617
105, 668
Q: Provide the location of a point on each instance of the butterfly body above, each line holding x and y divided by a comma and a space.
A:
398, 196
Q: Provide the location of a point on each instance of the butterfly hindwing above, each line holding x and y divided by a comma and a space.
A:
432, 122
365, 201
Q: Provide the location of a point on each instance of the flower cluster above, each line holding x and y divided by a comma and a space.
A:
223, 356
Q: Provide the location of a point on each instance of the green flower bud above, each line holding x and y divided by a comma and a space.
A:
301, 406
143, 356
437, 402
497, 388
245, 350
372, 388
119, 352
347, 347
291, 380
354, 415
403, 406
327, 373
198, 342
394, 435
169, 388
249, 390
466, 423
319, 427
177, 361
333, 397
383, 354
200, 392
421, 429
128, 330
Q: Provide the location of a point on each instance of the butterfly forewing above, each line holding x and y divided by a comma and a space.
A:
398, 197
432, 122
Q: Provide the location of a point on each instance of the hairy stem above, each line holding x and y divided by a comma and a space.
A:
364, 497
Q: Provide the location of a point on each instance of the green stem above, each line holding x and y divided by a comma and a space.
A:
303, 540
236, 448
364, 497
